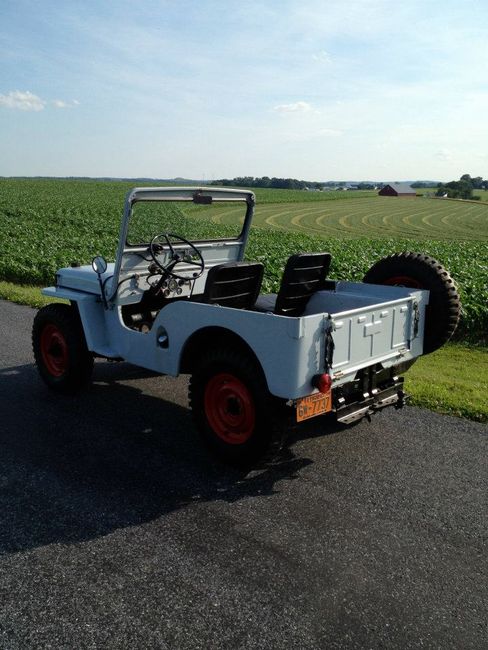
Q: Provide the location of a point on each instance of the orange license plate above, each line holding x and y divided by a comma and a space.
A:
312, 405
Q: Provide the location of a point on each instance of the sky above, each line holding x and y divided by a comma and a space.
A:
308, 89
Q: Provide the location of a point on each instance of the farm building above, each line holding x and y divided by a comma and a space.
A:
397, 189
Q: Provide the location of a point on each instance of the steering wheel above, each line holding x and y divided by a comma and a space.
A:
156, 246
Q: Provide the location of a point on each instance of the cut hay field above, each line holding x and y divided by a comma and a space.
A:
377, 217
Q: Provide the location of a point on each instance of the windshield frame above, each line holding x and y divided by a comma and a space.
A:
203, 195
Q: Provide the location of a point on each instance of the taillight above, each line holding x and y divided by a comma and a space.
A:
323, 382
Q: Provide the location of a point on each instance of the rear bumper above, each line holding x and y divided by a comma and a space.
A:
378, 399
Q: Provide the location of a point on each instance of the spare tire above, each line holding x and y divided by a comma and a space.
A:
419, 271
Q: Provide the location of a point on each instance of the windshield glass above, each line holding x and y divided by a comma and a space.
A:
220, 220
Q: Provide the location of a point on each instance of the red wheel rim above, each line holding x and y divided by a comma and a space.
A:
229, 408
54, 350
403, 281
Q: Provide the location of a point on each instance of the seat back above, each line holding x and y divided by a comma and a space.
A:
304, 274
234, 284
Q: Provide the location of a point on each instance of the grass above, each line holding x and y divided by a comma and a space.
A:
378, 217
483, 194
452, 380
24, 294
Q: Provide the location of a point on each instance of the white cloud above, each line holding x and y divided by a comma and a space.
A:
322, 57
60, 103
27, 101
298, 107
22, 101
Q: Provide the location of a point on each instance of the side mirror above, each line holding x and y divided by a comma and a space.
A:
99, 264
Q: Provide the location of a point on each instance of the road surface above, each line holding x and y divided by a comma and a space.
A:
118, 530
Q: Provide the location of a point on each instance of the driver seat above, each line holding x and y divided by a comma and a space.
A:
233, 284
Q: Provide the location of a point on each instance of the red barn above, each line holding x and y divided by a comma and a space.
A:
398, 189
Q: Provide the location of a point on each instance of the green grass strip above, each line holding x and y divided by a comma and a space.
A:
453, 380
24, 295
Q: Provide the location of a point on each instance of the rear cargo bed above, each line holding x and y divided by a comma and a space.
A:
371, 324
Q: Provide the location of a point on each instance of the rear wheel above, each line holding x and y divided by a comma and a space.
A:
60, 350
237, 417
419, 271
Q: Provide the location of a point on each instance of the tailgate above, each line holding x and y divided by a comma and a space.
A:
375, 334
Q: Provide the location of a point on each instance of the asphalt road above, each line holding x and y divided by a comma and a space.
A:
118, 530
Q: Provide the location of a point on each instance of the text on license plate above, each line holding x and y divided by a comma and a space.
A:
312, 405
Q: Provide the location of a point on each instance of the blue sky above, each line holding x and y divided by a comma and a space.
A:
363, 89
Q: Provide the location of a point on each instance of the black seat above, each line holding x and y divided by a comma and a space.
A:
304, 274
234, 284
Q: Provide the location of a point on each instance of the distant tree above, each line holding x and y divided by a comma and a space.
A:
264, 181
422, 184
462, 189
465, 189
476, 182
365, 186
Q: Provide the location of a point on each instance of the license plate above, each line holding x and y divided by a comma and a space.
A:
312, 405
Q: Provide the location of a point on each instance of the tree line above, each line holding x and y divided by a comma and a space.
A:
463, 188
265, 181
286, 183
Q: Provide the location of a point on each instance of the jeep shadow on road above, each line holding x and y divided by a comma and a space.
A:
76, 468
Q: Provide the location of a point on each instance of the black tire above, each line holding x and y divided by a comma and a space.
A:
60, 349
423, 272
236, 416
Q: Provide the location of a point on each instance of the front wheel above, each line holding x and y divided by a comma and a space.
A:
60, 349
237, 417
